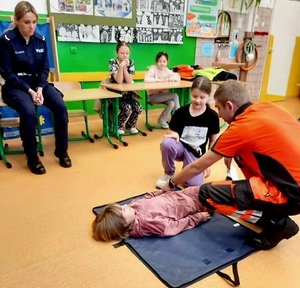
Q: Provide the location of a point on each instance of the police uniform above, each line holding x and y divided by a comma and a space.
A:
25, 65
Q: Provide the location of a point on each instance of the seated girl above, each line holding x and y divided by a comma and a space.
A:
160, 73
158, 213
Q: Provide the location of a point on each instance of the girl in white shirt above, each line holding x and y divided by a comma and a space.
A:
160, 73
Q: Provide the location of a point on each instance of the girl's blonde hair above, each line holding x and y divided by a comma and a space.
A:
110, 224
21, 9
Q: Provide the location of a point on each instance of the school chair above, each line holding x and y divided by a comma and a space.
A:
63, 86
149, 104
11, 122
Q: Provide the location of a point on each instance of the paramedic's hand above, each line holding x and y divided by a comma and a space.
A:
227, 162
173, 135
206, 172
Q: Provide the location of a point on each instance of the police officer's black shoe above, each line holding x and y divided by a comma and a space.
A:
64, 159
271, 235
35, 165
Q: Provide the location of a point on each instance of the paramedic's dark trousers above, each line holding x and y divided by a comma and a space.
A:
253, 204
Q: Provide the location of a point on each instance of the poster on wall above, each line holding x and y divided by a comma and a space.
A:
113, 8
72, 6
201, 19
160, 21
88, 12
157, 21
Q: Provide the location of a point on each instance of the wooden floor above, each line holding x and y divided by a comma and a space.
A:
45, 221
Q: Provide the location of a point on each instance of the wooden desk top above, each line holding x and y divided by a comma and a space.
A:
83, 94
228, 65
88, 94
147, 86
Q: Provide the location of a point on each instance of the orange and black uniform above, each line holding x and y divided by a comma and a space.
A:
263, 140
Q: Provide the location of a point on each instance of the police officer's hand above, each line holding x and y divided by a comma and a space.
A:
40, 97
34, 96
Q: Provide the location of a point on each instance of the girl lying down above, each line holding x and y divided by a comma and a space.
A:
158, 213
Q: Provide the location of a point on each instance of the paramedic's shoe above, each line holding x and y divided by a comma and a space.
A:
121, 131
64, 160
162, 181
270, 236
35, 165
163, 125
133, 130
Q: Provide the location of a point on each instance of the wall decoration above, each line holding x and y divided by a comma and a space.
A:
72, 6
201, 20
164, 18
157, 21
206, 49
224, 27
232, 50
113, 8
93, 12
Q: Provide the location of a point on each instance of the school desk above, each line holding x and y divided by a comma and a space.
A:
104, 96
183, 86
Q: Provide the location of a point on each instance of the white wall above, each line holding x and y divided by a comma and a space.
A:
9, 5
285, 27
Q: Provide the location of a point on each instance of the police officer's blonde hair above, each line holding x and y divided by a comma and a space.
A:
233, 91
21, 9
110, 224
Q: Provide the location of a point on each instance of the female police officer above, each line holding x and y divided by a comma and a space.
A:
24, 66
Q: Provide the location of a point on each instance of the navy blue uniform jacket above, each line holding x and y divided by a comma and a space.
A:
22, 65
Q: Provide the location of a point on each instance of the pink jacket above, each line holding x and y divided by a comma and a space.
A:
154, 74
167, 214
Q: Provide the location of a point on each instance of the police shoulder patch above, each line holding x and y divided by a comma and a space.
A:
39, 36
9, 35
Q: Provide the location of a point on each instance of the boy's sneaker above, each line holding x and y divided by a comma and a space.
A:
133, 130
162, 181
163, 125
121, 131
270, 236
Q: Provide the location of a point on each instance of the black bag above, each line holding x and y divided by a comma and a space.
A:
224, 75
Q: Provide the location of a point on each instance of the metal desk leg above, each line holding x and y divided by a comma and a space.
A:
106, 124
186, 95
105, 119
114, 130
85, 134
